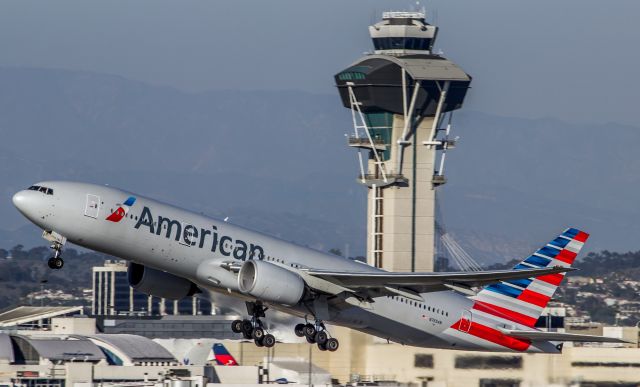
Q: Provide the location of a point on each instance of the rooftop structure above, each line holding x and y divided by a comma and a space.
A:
35, 316
403, 33
104, 349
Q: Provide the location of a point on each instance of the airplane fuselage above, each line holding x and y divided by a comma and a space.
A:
196, 247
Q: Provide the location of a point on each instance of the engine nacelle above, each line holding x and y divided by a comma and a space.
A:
159, 283
268, 282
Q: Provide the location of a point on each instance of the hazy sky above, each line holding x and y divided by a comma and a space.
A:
572, 59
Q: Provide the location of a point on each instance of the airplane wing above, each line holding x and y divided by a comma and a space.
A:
414, 283
560, 336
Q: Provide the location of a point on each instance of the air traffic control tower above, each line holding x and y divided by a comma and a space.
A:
402, 97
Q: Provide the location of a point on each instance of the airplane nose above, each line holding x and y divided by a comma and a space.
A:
26, 203
19, 200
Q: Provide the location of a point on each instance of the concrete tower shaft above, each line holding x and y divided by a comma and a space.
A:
399, 97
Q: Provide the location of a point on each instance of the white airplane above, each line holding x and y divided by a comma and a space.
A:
174, 253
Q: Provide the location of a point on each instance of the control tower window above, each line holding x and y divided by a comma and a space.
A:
392, 43
350, 76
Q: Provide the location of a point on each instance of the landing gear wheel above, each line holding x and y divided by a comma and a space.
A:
258, 333
259, 343
269, 341
247, 327
236, 326
310, 340
321, 337
246, 335
332, 344
310, 331
299, 330
57, 263
322, 347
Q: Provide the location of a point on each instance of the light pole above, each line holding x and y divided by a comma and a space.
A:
310, 355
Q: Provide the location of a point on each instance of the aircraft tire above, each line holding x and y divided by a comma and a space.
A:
310, 340
247, 327
247, 335
299, 330
236, 326
258, 343
258, 334
322, 347
50, 263
332, 344
321, 337
269, 341
58, 263
310, 331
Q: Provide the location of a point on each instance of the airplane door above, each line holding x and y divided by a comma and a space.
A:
92, 206
465, 321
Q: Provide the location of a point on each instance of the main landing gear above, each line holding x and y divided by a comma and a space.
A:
254, 329
317, 334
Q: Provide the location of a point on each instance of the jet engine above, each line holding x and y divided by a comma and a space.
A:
159, 283
268, 282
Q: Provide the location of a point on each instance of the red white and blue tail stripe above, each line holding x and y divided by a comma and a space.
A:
522, 301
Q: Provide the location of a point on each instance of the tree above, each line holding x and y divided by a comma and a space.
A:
17, 252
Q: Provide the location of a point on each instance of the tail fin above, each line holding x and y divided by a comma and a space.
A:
222, 356
522, 301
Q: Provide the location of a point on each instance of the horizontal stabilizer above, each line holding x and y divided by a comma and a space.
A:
560, 336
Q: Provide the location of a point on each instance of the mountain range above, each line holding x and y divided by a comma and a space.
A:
277, 161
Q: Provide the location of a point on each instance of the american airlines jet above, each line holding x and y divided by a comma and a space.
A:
174, 253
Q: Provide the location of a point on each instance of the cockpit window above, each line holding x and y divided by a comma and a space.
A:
44, 190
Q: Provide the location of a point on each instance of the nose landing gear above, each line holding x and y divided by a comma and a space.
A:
56, 262
57, 241
254, 329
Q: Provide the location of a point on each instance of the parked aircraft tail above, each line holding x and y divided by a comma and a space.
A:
523, 300
222, 355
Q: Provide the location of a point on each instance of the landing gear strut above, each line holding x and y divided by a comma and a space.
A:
317, 334
254, 329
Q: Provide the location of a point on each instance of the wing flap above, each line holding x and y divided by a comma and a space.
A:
560, 336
